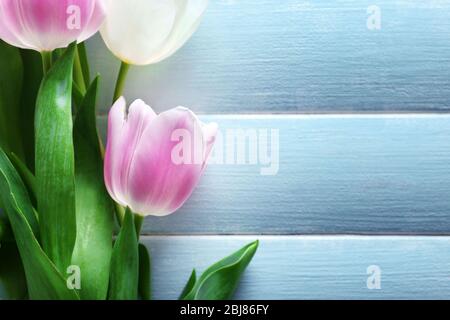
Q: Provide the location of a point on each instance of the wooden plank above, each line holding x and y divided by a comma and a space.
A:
359, 174
300, 56
311, 267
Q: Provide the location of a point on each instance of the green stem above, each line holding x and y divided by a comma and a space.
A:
120, 84
47, 61
78, 73
138, 221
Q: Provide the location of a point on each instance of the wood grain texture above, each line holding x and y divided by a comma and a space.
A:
366, 174
300, 56
311, 267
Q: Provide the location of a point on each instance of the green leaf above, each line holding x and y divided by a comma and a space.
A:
94, 208
189, 285
144, 273
84, 61
44, 281
77, 95
32, 78
220, 280
11, 76
55, 163
17, 189
13, 284
123, 284
25, 174
78, 72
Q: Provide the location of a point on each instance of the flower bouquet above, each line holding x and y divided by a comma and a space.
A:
72, 209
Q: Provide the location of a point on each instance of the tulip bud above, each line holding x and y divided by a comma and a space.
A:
142, 32
45, 25
154, 162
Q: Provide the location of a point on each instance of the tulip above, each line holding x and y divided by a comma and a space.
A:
154, 162
142, 32
45, 25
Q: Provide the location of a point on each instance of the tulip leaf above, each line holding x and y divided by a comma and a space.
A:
82, 54
94, 208
123, 284
55, 162
16, 187
32, 78
77, 95
189, 285
11, 77
220, 280
25, 173
144, 273
44, 281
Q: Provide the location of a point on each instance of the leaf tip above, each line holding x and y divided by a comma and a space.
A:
254, 245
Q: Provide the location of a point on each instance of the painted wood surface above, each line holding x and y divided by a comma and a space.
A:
311, 267
355, 174
300, 56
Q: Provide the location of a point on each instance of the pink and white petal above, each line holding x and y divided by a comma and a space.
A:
123, 147
113, 155
7, 33
95, 21
8, 37
65, 26
44, 24
158, 184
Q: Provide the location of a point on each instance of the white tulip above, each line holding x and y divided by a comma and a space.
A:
142, 32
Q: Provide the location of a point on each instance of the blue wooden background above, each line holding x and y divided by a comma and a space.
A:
387, 173
301, 56
311, 267
337, 174
363, 180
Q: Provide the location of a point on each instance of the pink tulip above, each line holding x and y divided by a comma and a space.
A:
45, 25
154, 162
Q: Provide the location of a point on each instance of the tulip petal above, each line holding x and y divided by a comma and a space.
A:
188, 19
153, 163
159, 184
124, 133
45, 25
116, 121
95, 21
6, 35
134, 30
